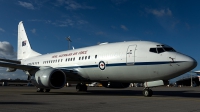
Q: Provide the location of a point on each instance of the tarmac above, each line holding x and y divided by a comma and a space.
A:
99, 99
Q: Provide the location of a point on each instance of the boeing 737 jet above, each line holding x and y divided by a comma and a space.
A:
114, 65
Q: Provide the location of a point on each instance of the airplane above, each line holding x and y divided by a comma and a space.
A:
114, 65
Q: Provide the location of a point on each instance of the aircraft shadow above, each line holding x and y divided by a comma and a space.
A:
184, 93
22, 103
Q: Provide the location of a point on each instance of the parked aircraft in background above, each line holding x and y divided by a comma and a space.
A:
114, 65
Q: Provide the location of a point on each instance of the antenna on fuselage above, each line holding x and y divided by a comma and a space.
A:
69, 41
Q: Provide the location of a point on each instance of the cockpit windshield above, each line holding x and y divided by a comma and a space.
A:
169, 49
161, 48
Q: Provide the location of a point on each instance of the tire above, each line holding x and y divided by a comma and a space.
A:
147, 92
47, 90
40, 90
81, 87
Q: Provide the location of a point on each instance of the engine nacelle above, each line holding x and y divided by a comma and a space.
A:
49, 78
11, 69
115, 84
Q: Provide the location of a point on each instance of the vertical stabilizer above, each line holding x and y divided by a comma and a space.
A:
24, 50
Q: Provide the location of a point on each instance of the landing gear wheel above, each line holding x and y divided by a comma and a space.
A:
81, 87
147, 92
40, 90
46, 90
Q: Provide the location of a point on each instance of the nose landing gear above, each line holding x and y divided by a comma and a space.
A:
147, 92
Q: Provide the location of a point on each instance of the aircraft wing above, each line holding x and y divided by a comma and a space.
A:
71, 73
17, 66
11, 61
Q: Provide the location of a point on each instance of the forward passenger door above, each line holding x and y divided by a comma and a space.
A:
130, 55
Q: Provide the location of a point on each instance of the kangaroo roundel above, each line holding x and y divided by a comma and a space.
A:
102, 65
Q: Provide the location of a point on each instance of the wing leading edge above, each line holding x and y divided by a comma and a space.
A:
71, 73
11, 61
18, 66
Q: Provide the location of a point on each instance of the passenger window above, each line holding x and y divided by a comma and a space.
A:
153, 50
95, 56
160, 50
79, 58
74, 59
85, 57
66, 59
82, 57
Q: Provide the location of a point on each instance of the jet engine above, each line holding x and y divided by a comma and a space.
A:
11, 69
115, 84
49, 78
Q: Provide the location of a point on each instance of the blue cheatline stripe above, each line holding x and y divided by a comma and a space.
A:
122, 64
151, 63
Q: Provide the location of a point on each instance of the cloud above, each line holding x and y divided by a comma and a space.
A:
33, 30
80, 22
7, 50
187, 26
73, 5
73, 22
124, 27
26, 5
65, 23
18, 74
2, 30
160, 13
113, 27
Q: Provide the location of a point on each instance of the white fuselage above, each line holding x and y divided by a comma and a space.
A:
131, 61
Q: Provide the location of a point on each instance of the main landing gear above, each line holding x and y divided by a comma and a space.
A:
43, 90
81, 87
147, 92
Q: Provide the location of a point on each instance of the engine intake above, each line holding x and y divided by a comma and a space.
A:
49, 78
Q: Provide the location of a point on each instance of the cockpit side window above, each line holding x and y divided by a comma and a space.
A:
153, 50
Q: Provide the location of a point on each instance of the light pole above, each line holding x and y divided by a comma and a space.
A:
69, 40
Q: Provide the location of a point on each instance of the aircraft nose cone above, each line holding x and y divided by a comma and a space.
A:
190, 63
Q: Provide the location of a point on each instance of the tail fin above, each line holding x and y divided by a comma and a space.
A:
24, 47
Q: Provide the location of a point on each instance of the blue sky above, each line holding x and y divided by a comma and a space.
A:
87, 22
